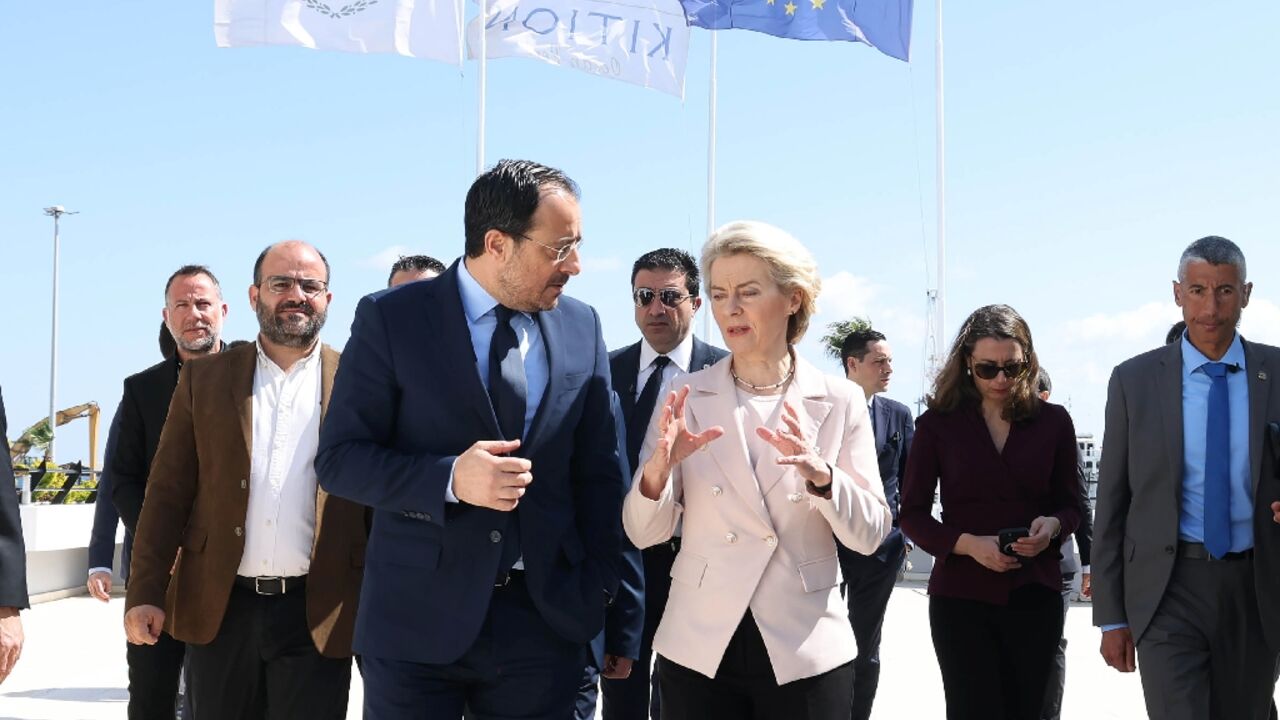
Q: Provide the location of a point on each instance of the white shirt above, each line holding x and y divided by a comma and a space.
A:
280, 526
681, 356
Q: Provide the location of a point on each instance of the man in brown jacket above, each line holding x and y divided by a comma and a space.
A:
268, 565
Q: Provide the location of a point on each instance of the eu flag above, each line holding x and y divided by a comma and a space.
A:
883, 24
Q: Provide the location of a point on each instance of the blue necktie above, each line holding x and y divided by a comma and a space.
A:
508, 388
507, 383
1217, 464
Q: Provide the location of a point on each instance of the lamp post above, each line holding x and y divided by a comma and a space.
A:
56, 212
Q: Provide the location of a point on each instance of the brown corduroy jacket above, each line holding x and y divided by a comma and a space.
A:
197, 500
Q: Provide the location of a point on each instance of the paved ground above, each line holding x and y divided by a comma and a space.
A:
73, 666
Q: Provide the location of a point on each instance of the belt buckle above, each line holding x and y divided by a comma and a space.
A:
502, 580
257, 585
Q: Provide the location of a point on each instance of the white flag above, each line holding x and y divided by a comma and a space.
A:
644, 42
429, 29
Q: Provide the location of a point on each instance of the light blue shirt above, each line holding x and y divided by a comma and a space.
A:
1195, 414
479, 308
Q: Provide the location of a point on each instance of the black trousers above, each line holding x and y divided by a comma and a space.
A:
1058, 670
868, 583
745, 687
518, 667
995, 658
636, 698
263, 665
153, 678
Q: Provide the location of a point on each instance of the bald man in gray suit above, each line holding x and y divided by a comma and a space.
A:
1186, 560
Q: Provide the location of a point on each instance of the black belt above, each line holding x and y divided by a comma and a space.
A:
507, 577
673, 545
1197, 551
272, 585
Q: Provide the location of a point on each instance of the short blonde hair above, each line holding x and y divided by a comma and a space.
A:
791, 265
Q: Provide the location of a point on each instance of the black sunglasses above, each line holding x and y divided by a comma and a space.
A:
669, 296
989, 370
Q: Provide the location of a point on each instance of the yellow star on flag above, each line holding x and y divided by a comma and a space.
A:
817, 4
790, 7
771, 2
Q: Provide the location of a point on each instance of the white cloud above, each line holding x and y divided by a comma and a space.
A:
1261, 322
1147, 323
845, 295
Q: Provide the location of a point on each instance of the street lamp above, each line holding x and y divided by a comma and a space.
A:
56, 212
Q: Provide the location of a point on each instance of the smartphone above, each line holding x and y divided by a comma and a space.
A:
1007, 536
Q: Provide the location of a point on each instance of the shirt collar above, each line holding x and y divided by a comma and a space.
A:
1192, 358
476, 301
681, 355
305, 361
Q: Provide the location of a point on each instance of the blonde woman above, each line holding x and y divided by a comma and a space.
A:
767, 462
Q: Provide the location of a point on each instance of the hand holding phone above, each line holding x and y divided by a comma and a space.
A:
1007, 536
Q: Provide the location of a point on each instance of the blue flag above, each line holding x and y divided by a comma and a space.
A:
883, 24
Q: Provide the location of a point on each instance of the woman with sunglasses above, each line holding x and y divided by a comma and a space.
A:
768, 463
1004, 462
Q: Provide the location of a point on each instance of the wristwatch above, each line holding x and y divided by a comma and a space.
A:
822, 491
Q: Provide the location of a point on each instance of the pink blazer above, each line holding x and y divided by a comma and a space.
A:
753, 537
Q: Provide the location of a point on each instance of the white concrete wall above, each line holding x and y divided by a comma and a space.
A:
57, 538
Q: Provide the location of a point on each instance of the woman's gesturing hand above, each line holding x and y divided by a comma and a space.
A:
794, 447
675, 443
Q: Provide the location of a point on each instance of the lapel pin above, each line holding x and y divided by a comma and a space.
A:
1262, 375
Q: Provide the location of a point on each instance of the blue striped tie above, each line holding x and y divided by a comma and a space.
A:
1217, 464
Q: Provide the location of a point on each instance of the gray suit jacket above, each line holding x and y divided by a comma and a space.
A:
1139, 489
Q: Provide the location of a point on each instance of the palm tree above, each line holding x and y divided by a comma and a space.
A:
838, 331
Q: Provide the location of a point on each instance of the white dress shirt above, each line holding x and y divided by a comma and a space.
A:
280, 526
681, 356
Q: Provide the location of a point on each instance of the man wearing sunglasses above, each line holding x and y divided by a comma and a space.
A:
1186, 560
473, 414
266, 584
664, 289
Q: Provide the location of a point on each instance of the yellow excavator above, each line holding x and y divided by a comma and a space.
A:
39, 434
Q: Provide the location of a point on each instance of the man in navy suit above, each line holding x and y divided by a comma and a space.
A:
13, 560
472, 413
664, 288
869, 580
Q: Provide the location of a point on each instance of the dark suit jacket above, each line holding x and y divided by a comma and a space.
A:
102, 538
407, 401
198, 497
13, 552
894, 432
1140, 487
624, 623
1083, 535
141, 417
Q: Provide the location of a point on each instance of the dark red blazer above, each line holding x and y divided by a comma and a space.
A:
983, 491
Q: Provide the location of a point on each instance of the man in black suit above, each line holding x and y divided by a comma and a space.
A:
868, 580
1069, 565
664, 287
194, 312
13, 560
102, 538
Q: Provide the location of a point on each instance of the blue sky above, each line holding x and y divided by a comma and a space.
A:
1088, 143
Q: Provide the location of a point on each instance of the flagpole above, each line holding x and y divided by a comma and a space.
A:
484, 72
940, 315
711, 165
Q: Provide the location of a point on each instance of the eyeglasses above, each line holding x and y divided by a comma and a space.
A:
281, 284
562, 252
989, 370
668, 296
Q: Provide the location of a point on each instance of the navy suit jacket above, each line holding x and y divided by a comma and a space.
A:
102, 538
624, 623
894, 430
13, 554
407, 400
